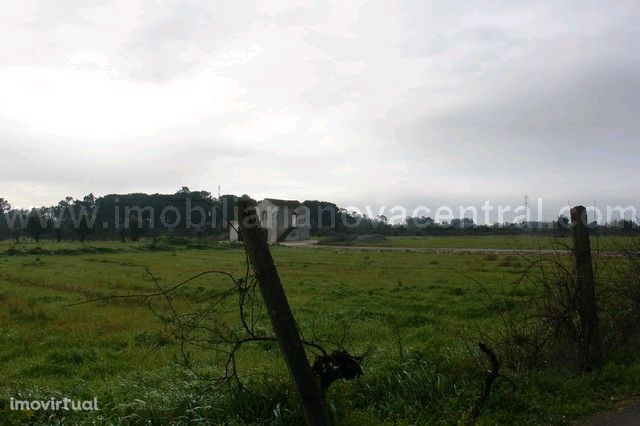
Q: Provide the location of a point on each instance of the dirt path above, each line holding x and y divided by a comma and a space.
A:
627, 414
313, 244
439, 250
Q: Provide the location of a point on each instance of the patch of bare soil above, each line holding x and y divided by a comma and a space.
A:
628, 413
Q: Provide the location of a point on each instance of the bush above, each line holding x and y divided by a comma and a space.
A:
619, 296
170, 242
338, 239
350, 239
545, 330
371, 238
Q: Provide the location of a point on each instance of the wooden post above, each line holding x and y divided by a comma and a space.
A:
282, 321
591, 345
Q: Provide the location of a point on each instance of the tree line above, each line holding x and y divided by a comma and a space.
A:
129, 217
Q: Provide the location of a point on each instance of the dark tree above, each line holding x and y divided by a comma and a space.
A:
37, 224
84, 215
123, 233
18, 224
59, 219
562, 225
84, 229
4, 205
245, 198
136, 226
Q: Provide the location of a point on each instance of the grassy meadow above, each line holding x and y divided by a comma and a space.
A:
417, 315
514, 242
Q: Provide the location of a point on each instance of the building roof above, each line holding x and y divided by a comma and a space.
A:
292, 204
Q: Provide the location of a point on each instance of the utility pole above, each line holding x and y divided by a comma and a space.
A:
527, 216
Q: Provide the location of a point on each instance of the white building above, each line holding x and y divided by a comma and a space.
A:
284, 220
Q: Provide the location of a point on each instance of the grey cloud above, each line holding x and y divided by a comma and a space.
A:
588, 108
154, 50
425, 96
159, 160
62, 12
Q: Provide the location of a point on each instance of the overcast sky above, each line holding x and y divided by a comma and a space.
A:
413, 102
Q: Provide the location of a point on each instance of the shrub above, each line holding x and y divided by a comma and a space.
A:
338, 239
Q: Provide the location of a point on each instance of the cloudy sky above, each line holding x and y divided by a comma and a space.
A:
413, 102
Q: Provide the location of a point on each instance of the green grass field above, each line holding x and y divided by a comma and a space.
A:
515, 242
120, 352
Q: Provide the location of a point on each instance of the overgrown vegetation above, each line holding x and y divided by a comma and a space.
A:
133, 363
167, 242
